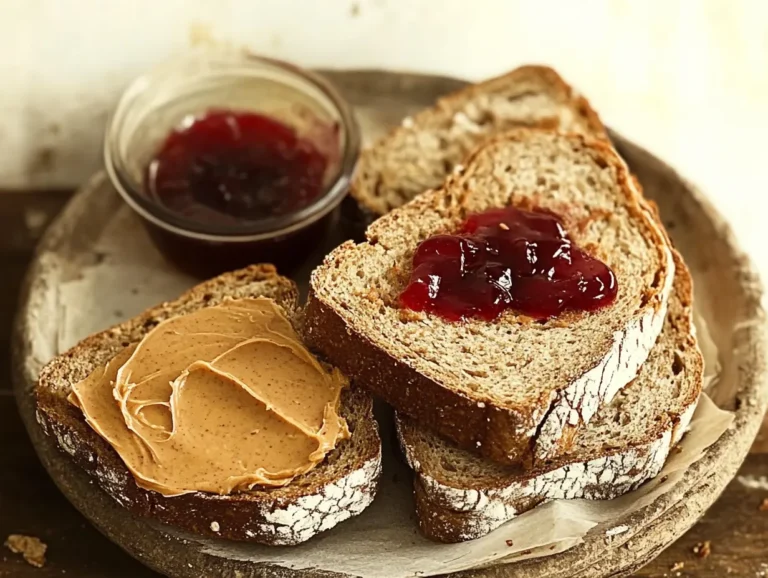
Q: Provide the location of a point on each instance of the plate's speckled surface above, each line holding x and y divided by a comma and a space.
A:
726, 286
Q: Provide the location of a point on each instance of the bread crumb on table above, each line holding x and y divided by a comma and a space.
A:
703, 549
32, 548
764, 505
677, 566
215, 526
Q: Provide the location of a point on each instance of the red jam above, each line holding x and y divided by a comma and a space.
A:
229, 167
507, 259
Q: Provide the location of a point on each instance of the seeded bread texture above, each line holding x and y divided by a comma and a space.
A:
424, 149
513, 389
339, 488
461, 496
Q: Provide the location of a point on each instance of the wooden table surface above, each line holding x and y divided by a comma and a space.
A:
31, 504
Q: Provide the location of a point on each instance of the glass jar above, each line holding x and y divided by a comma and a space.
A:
176, 93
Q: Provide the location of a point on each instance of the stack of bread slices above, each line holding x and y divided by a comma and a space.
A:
496, 417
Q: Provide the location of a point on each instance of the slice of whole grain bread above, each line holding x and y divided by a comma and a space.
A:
423, 150
461, 496
338, 488
512, 389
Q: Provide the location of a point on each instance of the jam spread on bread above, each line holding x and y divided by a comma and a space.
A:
229, 167
503, 259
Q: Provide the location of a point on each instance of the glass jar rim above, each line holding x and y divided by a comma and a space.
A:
269, 227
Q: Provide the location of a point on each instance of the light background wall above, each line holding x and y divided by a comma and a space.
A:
687, 79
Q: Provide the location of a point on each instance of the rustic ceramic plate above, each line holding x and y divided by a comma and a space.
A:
727, 291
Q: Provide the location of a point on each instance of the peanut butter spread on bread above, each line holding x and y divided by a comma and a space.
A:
220, 400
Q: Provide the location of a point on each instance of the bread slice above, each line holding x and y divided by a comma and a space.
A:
513, 389
460, 496
340, 487
420, 153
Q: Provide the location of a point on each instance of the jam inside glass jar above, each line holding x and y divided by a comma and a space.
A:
503, 259
231, 159
233, 167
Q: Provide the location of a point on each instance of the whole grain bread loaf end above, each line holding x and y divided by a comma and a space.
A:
422, 151
461, 496
514, 390
340, 487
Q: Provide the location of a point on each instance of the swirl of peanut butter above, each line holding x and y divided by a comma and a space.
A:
219, 400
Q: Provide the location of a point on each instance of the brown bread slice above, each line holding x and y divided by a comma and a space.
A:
461, 496
423, 150
340, 487
512, 389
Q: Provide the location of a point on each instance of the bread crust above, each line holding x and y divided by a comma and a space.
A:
312, 503
480, 511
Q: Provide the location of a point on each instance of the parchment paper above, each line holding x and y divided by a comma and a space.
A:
126, 275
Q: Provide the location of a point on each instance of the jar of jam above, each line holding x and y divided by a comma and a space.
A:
232, 159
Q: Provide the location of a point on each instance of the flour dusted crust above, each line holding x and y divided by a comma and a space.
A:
456, 515
317, 513
584, 396
339, 488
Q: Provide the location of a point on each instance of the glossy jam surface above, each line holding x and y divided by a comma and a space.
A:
229, 167
506, 259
